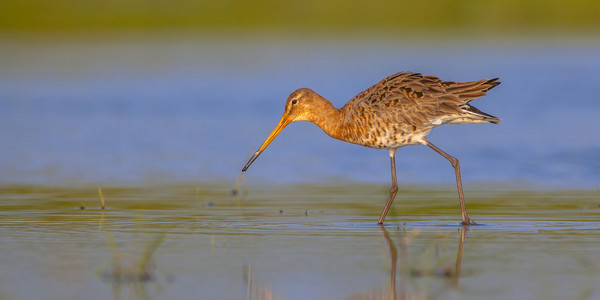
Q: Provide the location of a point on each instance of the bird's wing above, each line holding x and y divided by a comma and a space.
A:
412, 98
408, 98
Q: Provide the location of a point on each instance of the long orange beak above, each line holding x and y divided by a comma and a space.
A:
285, 120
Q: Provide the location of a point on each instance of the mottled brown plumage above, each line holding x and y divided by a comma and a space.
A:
399, 110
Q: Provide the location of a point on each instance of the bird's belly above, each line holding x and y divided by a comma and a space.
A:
397, 141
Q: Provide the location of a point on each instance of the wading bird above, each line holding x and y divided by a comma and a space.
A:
398, 111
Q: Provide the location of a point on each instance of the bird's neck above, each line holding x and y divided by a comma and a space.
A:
327, 117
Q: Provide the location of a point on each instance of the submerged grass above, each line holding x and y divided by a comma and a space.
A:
102, 201
313, 200
127, 268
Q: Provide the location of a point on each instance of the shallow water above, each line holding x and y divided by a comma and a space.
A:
186, 108
156, 119
297, 242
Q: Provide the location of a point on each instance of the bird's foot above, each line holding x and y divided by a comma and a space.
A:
469, 221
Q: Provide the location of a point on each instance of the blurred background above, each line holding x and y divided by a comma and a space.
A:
141, 92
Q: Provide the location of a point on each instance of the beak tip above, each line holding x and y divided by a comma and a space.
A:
282, 123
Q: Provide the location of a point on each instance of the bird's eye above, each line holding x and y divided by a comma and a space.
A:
294, 101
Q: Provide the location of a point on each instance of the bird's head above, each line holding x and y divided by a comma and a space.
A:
298, 107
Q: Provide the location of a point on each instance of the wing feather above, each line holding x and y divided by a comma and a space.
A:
411, 98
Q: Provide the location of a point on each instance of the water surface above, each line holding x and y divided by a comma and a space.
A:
164, 123
297, 242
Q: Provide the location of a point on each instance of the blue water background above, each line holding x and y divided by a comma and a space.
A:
147, 109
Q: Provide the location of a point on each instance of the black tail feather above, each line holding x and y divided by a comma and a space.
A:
493, 83
470, 109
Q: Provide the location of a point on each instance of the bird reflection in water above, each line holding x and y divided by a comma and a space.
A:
397, 255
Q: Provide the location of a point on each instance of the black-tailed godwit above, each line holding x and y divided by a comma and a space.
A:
398, 111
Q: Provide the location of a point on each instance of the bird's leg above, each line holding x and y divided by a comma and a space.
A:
393, 190
461, 198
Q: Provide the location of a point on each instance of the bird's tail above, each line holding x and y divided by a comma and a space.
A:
478, 114
467, 91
